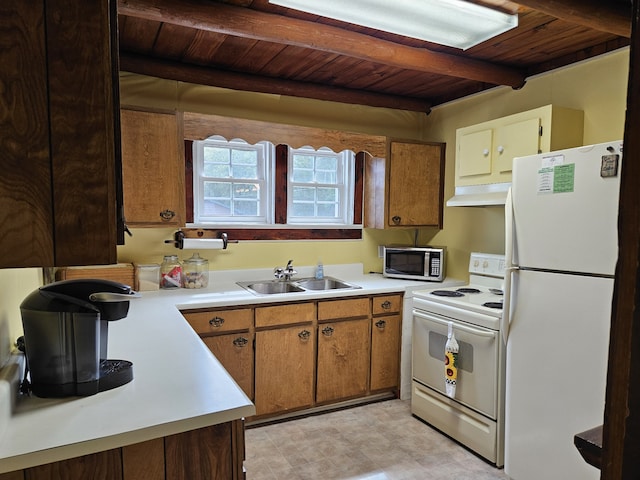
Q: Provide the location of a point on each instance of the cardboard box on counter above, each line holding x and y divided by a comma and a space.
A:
119, 272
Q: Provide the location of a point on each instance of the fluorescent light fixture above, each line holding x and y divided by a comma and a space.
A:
455, 23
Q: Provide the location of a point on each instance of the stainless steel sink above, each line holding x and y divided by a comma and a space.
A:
326, 283
271, 287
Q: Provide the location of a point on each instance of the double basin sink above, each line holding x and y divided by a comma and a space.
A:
271, 287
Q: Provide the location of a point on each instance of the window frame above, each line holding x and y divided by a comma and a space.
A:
280, 230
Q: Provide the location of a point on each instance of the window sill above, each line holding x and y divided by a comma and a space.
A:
275, 232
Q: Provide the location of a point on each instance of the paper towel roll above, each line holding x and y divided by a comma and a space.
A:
202, 244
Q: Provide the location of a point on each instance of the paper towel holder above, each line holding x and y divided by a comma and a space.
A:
178, 240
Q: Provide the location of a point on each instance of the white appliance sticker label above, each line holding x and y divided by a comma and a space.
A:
545, 180
556, 179
552, 160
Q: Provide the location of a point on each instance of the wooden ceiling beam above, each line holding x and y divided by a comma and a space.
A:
253, 83
610, 17
247, 23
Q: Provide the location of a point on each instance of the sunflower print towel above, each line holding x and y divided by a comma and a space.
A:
451, 363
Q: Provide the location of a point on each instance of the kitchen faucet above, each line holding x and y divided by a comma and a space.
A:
286, 273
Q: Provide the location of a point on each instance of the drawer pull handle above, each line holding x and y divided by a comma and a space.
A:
381, 324
304, 334
386, 305
327, 331
240, 342
167, 215
216, 322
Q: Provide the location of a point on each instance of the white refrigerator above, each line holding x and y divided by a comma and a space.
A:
561, 252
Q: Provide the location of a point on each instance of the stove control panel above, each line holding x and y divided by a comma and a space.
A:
487, 264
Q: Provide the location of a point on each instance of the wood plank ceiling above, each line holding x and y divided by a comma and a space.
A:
255, 46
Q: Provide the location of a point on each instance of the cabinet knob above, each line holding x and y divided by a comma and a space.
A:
327, 331
304, 334
500, 149
386, 305
396, 219
381, 324
216, 322
485, 152
240, 342
167, 215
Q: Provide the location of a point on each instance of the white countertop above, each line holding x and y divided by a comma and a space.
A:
178, 384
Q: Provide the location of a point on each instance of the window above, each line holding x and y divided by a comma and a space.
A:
235, 185
320, 186
233, 182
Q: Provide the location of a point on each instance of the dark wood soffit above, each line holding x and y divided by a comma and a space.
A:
610, 17
247, 23
235, 234
254, 83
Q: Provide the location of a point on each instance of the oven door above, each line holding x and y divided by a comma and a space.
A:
478, 357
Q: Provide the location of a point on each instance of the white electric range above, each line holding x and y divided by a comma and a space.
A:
474, 416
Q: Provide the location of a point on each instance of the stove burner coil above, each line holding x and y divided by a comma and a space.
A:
492, 305
468, 290
447, 293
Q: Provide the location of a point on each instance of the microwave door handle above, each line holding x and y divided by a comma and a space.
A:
457, 326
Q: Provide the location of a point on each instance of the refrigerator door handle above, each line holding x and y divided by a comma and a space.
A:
508, 231
505, 321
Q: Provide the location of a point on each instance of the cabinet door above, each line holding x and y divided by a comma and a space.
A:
203, 453
515, 140
415, 184
153, 169
385, 352
343, 360
474, 153
235, 353
58, 140
284, 369
106, 465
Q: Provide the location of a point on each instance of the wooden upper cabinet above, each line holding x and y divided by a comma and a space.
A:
153, 168
60, 139
407, 188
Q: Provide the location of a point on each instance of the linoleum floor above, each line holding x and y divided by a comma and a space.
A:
379, 441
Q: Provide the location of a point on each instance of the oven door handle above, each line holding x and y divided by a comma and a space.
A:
457, 326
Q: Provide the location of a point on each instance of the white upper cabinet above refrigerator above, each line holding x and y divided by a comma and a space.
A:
485, 151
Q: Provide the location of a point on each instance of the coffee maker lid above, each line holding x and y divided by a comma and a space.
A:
44, 301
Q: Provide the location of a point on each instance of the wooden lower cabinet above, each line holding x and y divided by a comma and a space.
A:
292, 356
385, 347
235, 353
215, 452
284, 370
386, 328
343, 360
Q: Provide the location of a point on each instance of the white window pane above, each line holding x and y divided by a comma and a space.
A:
328, 194
301, 194
328, 210
217, 207
303, 210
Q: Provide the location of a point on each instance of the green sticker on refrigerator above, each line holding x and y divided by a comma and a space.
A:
563, 178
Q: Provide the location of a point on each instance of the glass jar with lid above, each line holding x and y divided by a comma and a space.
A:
171, 272
196, 272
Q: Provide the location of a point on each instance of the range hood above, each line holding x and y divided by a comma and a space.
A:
480, 195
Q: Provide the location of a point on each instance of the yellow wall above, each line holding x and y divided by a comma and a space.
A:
598, 87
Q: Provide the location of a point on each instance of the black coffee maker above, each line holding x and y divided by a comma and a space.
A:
66, 329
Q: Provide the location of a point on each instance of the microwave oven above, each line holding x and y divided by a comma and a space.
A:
415, 263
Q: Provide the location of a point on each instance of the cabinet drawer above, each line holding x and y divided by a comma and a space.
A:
216, 321
387, 304
348, 308
285, 314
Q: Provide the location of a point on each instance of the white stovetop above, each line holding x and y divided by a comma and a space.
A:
178, 384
